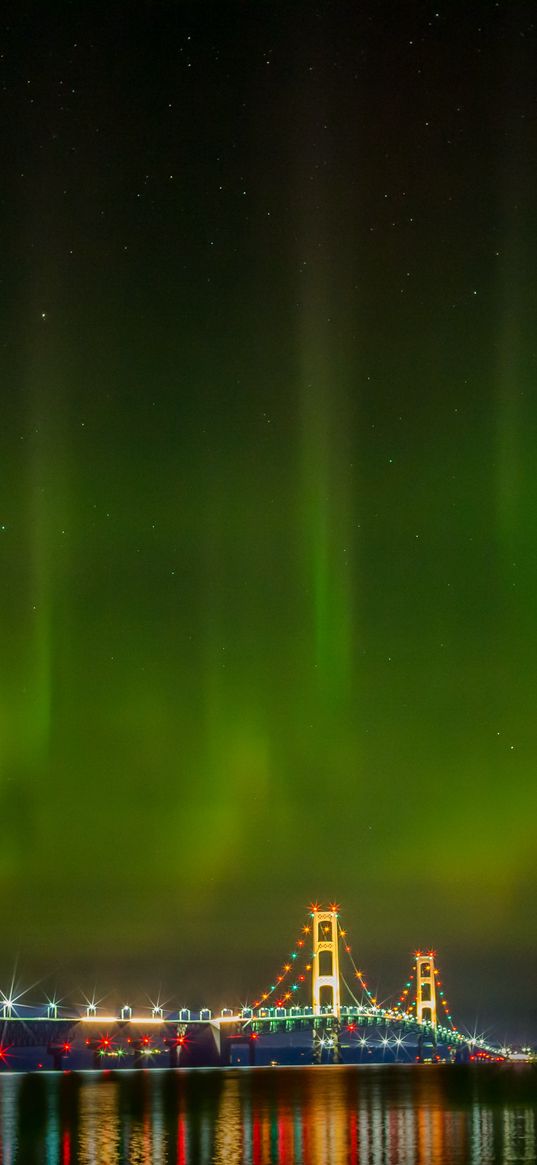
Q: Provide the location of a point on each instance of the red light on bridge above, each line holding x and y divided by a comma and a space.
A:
145, 1041
66, 1047
254, 1036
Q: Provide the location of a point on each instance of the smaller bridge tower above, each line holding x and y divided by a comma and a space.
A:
425, 988
325, 963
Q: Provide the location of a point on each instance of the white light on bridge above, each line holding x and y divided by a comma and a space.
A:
142, 1020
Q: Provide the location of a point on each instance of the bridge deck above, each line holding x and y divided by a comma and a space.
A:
54, 1020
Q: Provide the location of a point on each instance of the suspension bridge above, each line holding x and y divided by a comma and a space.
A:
319, 1001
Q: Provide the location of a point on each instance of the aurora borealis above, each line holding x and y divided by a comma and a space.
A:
267, 448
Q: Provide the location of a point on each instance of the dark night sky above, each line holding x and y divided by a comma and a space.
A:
268, 496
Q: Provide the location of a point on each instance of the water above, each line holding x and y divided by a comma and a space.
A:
392, 1115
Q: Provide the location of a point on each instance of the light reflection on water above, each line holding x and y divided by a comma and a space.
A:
346, 1116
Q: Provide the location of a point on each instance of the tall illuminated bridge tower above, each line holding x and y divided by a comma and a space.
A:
325, 964
425, 989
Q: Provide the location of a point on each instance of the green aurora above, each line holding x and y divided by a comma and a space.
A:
268, 549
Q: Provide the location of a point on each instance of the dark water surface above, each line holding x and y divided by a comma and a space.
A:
392, 1115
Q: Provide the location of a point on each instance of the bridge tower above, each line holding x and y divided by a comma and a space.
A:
425, 988
325, 962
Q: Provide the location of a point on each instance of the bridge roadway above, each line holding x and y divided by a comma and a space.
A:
55, 1029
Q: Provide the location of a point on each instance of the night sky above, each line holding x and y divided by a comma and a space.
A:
268, 501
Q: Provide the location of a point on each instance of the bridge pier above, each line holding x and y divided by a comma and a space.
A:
422, 1041
336, 1042
248, 1042
140, 1047
175, 1043
329, 1037
318, 1039
225, 1051
93, 1047
58, 1053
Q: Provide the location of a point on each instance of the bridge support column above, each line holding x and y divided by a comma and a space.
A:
335, 1033
329, 1038
95, 1046
318, 1035
175, 1044
58, 1052
316, 1047
425, 1040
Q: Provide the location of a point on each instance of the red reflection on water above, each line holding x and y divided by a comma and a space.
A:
285, 1140
257, 1157
66, 1148
353, 1138
181, 1147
